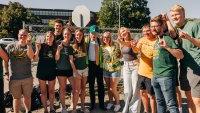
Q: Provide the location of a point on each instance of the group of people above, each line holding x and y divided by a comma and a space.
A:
151, 67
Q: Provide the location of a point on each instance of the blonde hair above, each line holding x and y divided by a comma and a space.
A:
178, 8
107, 34
126, 29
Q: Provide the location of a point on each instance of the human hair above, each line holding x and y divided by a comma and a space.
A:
80, 46
49, 32
127, 30
106, 34
25, 30
158, 19
59, 21
177, 7
67, 29
145, 26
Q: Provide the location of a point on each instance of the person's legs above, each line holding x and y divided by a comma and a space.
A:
2, 107
143, 93
51, 88
110, 97
113, 88
16, 104
161, 105
128, 91
83, 93
27, 87
62, 83
101, 91
179, 98
16, 91
43, 90
91, 80
197, 103
168, 89
76, 91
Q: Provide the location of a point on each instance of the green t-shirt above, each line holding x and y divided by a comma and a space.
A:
191, 52
80, 59
63, 63
164, 63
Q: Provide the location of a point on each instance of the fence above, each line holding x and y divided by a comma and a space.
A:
38, 31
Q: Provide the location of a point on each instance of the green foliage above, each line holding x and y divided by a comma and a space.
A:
12, 16
134, 13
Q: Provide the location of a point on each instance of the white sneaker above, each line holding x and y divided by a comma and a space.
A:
64, 111
117, 108
109, 106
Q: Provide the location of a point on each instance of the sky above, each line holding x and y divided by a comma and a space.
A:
156, 6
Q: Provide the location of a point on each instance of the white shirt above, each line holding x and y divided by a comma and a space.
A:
92, 50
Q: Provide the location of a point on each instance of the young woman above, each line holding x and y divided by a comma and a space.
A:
65, 65
80, 79
130, 74
111, 69
46, 70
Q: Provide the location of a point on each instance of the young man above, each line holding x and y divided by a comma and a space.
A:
189, 31
95, 71
58, 29
165, 68
145, 47
20, 54
4, 57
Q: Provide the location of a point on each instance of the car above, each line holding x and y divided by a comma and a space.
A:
6, 41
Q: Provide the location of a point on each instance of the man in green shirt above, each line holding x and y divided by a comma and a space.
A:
3, 56
189, 31
165, 68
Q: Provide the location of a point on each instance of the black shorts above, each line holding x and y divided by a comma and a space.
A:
66, 73
184, 82
144, 83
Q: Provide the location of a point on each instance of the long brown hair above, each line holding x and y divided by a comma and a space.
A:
80, 46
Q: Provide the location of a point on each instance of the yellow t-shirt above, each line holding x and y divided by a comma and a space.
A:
146, 48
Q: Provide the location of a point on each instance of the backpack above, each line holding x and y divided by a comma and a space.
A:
35, 98
8, 99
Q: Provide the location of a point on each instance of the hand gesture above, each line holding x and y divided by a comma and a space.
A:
28, 41
60, 46
133, 43
165, 17
38, 46
184, 35
162, 43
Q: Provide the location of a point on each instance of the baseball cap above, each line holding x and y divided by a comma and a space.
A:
93, 29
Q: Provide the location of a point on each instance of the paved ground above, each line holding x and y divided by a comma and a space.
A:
68, 99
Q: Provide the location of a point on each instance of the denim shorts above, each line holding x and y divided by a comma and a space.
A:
108, 74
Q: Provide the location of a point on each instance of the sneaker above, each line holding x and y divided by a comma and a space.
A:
64, 111
85, 110
117, 108
109, 106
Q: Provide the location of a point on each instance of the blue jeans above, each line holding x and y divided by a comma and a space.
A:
165, 92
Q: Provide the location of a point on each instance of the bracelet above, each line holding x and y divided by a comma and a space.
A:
6, 73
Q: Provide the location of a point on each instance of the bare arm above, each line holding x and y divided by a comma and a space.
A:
71, 60
175, 52
195, 41
171, 29
36, 55
30, 52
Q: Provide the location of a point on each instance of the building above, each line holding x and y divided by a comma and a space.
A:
50, 14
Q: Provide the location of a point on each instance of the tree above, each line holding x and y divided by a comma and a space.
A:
11, 18
134, 13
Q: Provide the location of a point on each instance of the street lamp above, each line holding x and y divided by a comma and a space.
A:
119, 5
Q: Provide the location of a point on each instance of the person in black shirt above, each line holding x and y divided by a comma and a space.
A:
46, 70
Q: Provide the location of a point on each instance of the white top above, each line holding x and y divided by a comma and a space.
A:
92, 50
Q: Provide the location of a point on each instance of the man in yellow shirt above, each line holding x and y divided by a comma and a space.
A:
145, 47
